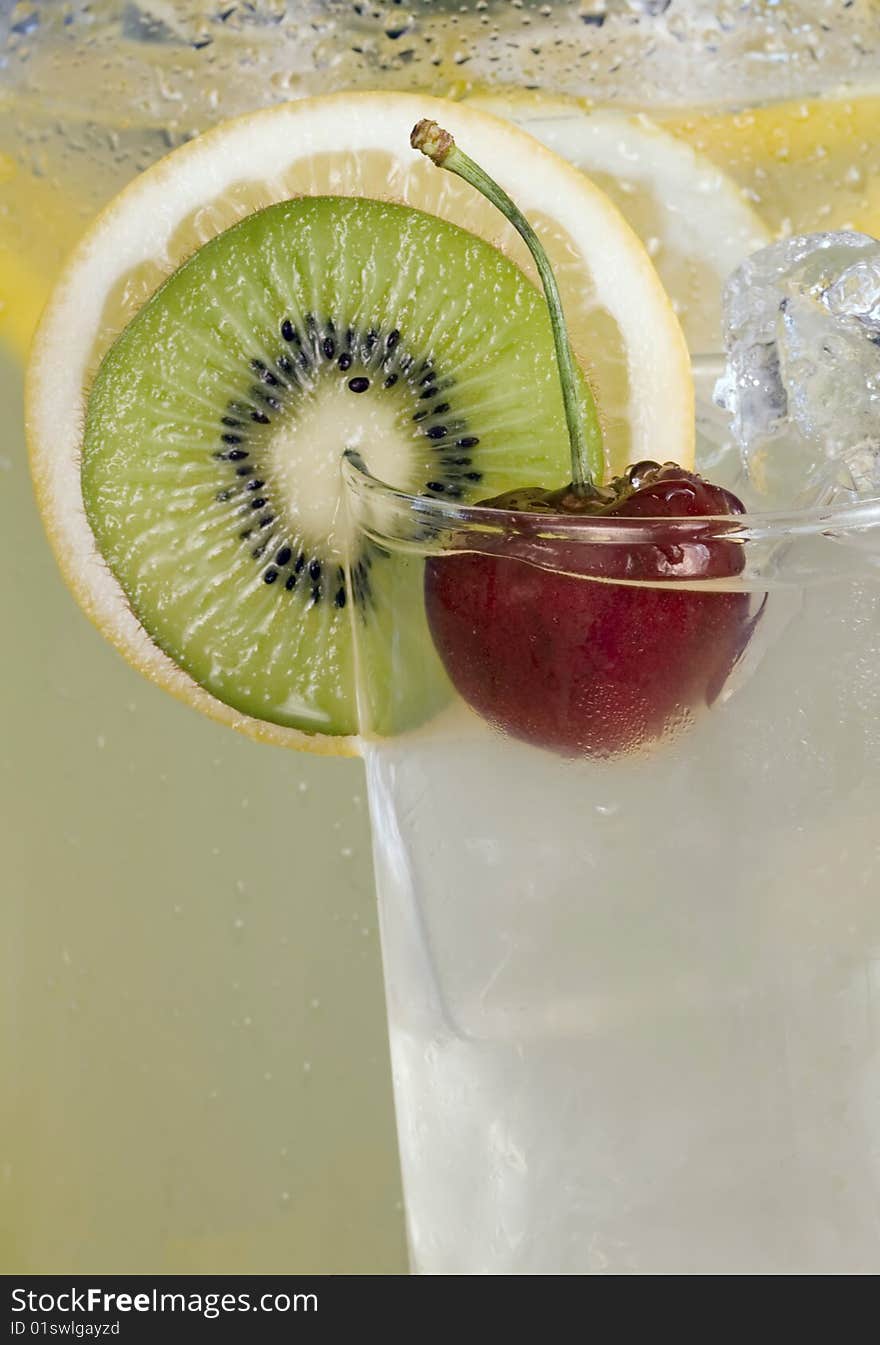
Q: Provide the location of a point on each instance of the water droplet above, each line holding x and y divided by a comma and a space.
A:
607, 809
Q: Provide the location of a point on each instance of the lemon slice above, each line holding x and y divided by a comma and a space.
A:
623, 326
39, 224
693, 219
807, 164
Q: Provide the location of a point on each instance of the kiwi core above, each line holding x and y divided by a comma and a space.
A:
306, 451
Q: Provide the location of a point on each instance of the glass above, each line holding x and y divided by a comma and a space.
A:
116, 891
633, 1002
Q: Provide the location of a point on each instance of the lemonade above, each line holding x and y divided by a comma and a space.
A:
632, 1002
683, 1084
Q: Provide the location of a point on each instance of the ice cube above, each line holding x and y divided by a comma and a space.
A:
856, 293
802, 384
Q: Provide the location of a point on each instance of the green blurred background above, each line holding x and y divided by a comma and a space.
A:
192, 1039
193, 1050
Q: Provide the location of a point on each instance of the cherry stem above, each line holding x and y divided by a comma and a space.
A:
442, 150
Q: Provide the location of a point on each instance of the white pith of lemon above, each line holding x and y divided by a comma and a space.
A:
623, 325
693, 219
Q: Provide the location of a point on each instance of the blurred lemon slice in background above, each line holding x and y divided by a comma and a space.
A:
806, 165
694, 220
39, 225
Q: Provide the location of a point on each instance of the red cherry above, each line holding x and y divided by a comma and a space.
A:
594, 668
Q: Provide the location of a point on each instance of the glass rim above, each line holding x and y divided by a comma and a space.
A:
400, 508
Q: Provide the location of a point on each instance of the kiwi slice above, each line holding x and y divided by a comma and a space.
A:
217, 423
